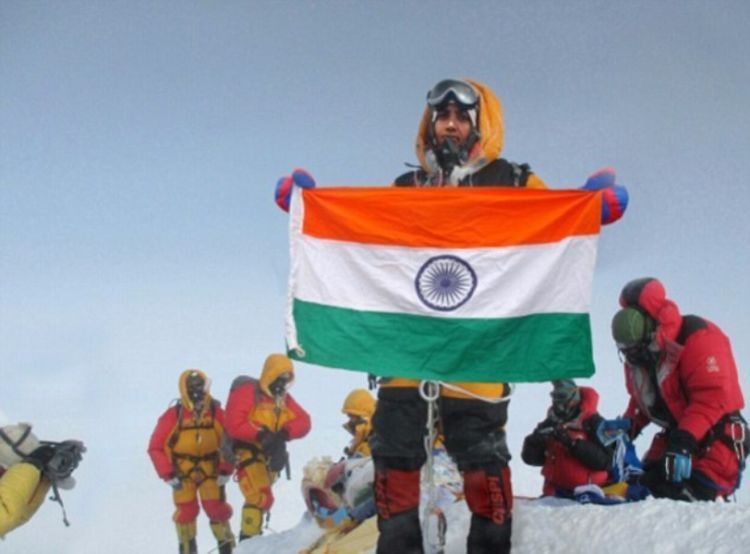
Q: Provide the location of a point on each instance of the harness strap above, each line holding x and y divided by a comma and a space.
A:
520, 174
737, 439
197, 426
14, 445
196, 459
254, 454
504, 398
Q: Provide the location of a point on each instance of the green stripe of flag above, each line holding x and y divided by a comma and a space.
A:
532, 348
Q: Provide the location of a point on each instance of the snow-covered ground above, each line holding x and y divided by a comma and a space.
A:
552, 525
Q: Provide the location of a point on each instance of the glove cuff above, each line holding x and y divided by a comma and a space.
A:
40, 457
681, 441
36, 463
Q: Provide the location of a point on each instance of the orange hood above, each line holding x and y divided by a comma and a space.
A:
275, 365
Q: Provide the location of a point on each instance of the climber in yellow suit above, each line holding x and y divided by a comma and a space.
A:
261, 417
185, 451
359, 406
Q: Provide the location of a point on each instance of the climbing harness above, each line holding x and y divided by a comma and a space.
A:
456, 388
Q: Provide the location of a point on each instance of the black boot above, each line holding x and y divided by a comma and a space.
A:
189, 547
488, 537
225, 548
400, 533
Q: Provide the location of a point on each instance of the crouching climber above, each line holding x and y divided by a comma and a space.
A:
566, 445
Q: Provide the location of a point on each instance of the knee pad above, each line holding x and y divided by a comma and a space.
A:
396, 490
252, 521
217, 510
489, 493
186, 512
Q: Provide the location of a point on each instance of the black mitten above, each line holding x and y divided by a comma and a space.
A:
41, 456
57, 461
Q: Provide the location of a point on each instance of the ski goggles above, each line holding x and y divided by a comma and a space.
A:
451, 90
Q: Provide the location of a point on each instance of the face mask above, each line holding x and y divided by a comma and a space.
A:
565, 410
280, 384
640, 355
196, 388
353, 423
449, 154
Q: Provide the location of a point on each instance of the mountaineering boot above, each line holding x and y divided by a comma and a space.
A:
189, 547
224, 536
186, 538
400, 533
252, 522
488, 537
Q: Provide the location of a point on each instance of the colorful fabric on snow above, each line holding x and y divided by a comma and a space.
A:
455, 284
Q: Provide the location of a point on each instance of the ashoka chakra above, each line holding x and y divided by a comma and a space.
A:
445, 282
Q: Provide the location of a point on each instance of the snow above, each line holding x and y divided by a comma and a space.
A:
556, 525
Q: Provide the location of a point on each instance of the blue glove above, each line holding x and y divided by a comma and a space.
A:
609, 430
283, 192
677, 463
614, 197
677, 466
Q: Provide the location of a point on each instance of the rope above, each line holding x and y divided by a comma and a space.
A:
430, 392
456, 388
57, 498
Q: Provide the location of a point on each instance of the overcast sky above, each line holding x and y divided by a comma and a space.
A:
140, 142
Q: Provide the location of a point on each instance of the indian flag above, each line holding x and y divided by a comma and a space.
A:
453, 284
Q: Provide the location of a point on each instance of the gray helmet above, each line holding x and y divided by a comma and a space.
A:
565, 398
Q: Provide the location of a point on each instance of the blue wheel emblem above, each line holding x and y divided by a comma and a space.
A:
445, 282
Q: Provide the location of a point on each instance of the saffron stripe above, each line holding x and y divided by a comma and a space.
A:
450, 217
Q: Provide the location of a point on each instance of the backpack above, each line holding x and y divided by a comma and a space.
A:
228, 444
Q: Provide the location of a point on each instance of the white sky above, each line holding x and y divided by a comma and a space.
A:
140, 143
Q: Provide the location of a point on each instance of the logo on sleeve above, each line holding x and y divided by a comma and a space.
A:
712, 366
